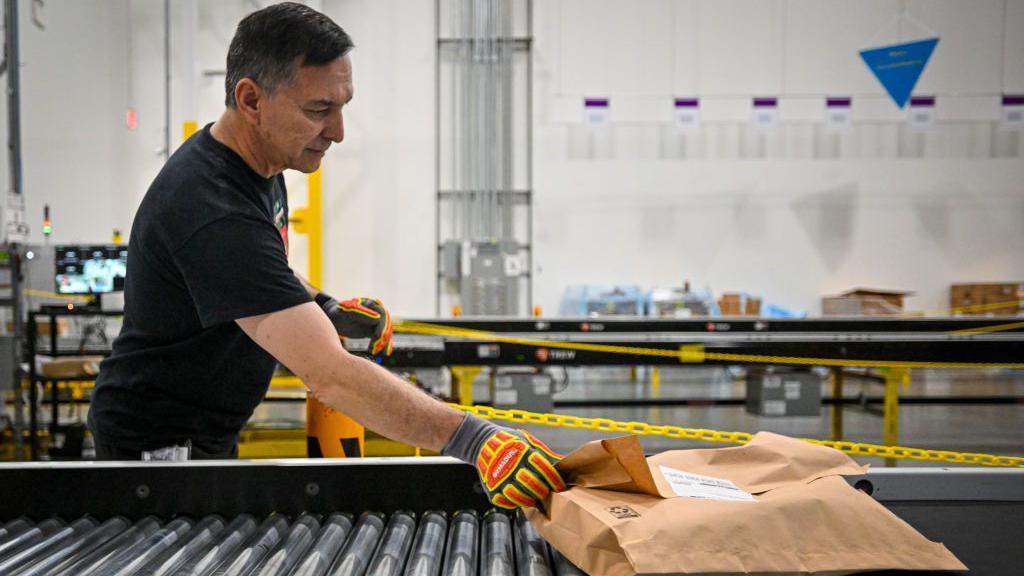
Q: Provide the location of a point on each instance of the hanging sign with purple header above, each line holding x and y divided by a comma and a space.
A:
837, 114
899, 66
596, 112
1013, 110
921, 115
687, 113
766, 112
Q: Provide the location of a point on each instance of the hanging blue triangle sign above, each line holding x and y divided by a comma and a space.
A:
899, 66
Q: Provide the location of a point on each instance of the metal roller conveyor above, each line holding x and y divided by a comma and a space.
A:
220, 548
496, 545
328, 543
298, 519
460, 552
531, 549
51, 561
428, 546
394, 546
143, 552
356, 555
304, 546
288, 551
265, 538
29, 537
197, 540
90, 560
13, 528
40, 547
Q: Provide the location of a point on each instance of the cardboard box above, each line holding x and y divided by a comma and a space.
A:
864, 302
735, 304
776, 505
986, 298
71, 367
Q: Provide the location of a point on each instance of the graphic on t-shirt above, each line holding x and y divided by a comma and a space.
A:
281, 223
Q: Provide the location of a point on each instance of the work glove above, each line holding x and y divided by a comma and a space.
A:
516, 469
360, 318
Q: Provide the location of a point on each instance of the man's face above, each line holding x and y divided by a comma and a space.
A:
301, 119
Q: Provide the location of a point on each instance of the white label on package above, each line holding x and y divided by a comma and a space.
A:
696, 486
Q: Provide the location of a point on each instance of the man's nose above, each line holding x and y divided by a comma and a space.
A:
335, 129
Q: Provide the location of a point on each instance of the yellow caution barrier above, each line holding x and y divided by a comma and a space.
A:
705, 435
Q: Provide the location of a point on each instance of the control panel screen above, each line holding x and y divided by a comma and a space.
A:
90, 269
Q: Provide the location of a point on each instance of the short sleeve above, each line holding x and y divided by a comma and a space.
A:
237, 267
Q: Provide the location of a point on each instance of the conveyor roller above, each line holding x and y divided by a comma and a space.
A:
307, 545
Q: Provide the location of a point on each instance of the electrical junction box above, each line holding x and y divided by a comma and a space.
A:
772, 392
525, 391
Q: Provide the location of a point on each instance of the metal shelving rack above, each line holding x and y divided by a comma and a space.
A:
483, 213
53, 350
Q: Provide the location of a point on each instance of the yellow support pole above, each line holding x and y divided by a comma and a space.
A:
462, 383
894, 378
309, 221
655, 392
328, 431
188, 128
837, 404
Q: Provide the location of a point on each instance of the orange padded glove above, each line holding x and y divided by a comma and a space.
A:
517, 469
360, 318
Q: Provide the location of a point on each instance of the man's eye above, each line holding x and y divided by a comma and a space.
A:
318, 112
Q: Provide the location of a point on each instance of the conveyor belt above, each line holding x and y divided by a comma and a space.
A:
408, 516
307, 545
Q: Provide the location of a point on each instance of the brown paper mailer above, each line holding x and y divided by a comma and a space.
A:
622, 517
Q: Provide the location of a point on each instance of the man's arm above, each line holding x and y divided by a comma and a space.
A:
303, 339
312, 290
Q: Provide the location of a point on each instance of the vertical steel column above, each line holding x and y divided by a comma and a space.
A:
167, 79
16, 203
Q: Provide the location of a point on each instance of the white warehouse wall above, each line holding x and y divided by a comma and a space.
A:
617, 207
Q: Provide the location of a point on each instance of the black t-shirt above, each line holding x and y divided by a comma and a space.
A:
208, 246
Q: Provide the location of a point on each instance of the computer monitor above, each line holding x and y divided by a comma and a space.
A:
92, 269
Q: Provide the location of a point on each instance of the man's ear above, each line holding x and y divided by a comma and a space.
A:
248, 99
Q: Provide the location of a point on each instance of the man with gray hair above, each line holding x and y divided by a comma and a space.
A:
210, 301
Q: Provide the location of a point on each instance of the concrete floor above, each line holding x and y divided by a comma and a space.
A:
996, 429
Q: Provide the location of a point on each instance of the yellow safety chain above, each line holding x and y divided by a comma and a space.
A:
687, 354
704, 435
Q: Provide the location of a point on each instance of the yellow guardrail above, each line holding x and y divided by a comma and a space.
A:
705, 435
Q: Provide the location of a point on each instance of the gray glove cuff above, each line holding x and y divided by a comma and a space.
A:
469, 438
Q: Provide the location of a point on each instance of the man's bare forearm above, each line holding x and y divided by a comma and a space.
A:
387, 404
310, 289
303, 339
